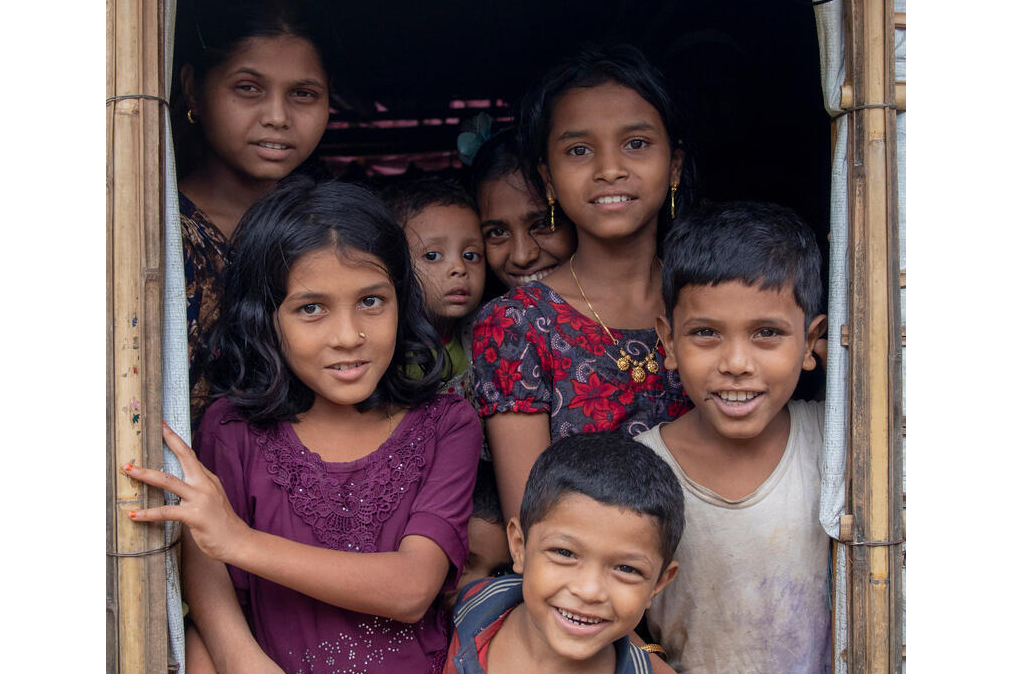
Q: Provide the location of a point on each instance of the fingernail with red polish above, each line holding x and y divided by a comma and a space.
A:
132, 514
127, 467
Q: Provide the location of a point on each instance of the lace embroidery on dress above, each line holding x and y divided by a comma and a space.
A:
345, 511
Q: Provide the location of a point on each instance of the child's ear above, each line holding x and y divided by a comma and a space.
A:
816, 329
515, 537
677, 159
667, 576
188, 86
546, 177
668, 340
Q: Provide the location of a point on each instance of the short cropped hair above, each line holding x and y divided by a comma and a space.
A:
613, 469
750, 242
486, 495
407, 198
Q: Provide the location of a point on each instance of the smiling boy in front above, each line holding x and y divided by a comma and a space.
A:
599, 523
742, 290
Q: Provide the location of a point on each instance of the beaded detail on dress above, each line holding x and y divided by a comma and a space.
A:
345, 509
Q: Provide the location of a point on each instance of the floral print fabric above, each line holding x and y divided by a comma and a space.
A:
534, 353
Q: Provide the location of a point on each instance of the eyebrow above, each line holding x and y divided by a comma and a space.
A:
311, 296
246, 70
629, 128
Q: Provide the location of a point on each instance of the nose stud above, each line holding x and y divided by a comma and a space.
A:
361, 334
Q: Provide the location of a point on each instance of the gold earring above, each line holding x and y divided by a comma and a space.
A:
551, 213
674, 188
190, 118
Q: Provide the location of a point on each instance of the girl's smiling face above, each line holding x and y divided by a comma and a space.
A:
608, 160
338, 324
263, 110
519, 245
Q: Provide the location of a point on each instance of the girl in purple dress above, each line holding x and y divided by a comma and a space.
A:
577, 351
331, 508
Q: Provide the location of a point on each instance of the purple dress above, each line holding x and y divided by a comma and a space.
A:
535, 353
418, 482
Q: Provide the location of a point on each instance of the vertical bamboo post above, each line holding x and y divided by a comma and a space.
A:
875, 571
136, 621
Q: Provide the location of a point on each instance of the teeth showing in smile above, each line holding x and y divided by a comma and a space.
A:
536, 276
273, 146
346, 366
736, 396
578, 620
611, 200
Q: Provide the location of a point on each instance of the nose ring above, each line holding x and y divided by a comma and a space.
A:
361, 334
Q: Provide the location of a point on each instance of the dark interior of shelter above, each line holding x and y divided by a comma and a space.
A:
745, 72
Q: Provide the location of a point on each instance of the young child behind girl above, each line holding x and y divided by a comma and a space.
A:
441, 225
520, 244
577, 351
251, 104
335, 488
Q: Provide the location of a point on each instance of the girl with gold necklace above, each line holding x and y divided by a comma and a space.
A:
577, 351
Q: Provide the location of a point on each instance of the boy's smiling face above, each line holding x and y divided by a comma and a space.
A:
739, 351
590, 570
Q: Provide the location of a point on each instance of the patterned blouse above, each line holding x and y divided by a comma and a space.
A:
205, 252
534, 353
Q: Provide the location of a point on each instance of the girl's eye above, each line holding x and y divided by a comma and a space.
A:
493, 233
432, 256
540, 226
248, 88
304, 94
472, 256
704, 332
563, 552
767, 333
311, 309
578, 151
637, 144
372, 302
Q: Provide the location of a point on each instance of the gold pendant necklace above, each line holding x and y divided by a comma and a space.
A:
637, 368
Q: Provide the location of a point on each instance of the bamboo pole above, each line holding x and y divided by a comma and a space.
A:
875, 571
136, 621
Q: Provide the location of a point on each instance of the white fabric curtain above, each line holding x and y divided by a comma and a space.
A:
175, 359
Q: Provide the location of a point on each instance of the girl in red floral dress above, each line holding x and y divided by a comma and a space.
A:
577, 351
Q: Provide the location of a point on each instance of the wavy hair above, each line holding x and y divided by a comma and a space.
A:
300, 216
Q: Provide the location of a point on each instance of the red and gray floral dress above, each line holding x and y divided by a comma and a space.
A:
535, 353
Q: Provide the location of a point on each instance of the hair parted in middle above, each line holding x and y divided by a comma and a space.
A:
592, 66
300, 216
613, 469
746, 241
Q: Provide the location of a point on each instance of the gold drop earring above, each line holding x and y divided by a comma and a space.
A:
674, 188
551, 213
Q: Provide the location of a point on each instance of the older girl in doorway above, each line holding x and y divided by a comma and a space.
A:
251, 106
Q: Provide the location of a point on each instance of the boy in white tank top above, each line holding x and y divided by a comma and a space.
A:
742, 291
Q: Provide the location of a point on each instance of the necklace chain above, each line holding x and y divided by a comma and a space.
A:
637, 368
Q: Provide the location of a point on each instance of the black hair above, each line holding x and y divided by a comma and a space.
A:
407, 198
750, 242
208, 33
498, 157
594, 65
485, 498
613, 469
300, 216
